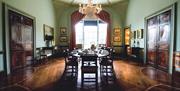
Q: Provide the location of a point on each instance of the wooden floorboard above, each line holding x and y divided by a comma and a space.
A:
129, 76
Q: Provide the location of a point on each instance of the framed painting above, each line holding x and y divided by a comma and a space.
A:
132, 35
140, 33
63, 39
117, 31
127, 36
63, 31
134, 32
117, 39
48, 32
117, 34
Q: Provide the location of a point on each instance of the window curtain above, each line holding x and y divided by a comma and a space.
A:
75, 18
105, 16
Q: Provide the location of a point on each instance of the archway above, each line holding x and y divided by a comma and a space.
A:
76, 17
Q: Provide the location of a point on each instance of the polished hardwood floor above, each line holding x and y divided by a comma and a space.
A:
50, 76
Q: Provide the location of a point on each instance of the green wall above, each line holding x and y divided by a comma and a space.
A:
0, 26
1, 56
42, 10
139, 9
63, 20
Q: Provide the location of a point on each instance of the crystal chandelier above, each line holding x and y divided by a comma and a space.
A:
86, 8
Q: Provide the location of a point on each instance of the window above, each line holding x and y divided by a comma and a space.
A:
90, 36
91, 32
79, 33
102, 33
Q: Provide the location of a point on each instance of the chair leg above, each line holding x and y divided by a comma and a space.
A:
82, 80
72, 70
77, 71
96, 81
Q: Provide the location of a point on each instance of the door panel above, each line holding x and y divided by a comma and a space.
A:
152, 39
151, 56
163, 56
163, 40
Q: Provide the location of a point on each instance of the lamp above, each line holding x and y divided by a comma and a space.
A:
86, 8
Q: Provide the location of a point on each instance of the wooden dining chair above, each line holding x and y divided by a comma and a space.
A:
89, 70
107, 69
71, 63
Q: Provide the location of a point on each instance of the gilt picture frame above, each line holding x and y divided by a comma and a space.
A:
117, 39
63, 39
140, 33
117, 35
127, 32
63, 31
117, 31
134, 34
48, 32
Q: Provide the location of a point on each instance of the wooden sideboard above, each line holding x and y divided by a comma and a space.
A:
135, 53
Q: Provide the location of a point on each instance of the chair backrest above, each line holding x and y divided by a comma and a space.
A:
89, 58
66, 53
68, 56
106, 58
111, 52
38, 52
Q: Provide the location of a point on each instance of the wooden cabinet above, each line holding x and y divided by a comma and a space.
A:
136, 53
118, 52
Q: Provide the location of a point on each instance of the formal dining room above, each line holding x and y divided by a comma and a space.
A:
89, 45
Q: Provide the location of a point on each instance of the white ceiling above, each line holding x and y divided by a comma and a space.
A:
94, 1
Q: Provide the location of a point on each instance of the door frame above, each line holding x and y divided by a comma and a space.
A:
6, 34
172, 34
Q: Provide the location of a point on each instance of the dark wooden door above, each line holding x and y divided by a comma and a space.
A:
21, 40
164, 40
158, 40
152, 40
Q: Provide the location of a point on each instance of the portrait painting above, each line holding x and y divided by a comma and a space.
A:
63, 31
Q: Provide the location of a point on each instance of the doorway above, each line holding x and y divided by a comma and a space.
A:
159, 45
21, 39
